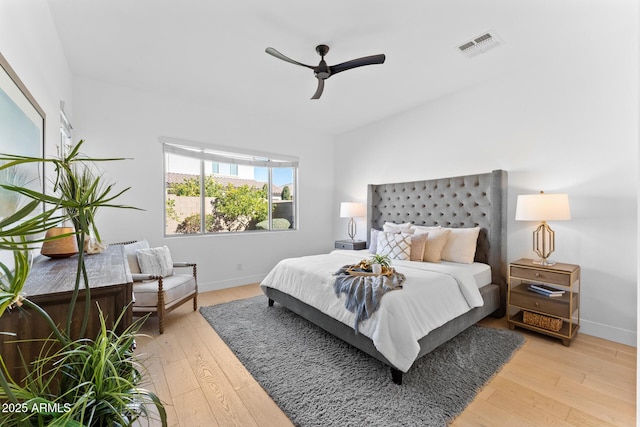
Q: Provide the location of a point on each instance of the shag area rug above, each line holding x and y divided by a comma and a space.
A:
319, 380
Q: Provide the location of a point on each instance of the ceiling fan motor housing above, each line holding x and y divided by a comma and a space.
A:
322, 71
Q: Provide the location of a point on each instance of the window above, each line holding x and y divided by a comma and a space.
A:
65, 132
220, 190
224, 168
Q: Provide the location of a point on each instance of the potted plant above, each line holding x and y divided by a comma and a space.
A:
382, 260
73, 382
380, 263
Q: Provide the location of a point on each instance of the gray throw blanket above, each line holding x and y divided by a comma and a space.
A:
364, 292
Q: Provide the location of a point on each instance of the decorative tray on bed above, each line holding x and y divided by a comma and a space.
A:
356, 270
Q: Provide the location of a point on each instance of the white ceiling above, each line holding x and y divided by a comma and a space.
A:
212, 52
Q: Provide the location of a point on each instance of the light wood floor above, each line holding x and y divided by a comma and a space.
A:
590, 383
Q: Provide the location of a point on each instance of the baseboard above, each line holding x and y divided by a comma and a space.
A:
231, 283
622, 336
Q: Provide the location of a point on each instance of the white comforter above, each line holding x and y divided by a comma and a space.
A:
432, 295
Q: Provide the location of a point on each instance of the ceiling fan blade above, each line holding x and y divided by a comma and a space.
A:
319, 89
354, 63
271, 51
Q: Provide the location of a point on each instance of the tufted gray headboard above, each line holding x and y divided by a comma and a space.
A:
463, 201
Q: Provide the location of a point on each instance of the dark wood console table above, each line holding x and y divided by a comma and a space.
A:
50, 285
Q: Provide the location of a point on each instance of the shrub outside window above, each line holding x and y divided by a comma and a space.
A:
220, 190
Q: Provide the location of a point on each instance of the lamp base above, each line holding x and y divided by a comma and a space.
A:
544, 244
351, 229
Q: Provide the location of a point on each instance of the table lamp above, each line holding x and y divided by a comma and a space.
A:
543, 207
352, 210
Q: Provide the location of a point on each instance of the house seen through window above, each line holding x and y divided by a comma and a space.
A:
219, 190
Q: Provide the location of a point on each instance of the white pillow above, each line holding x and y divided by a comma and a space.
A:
132, 257
373, 241
394, 245
424, 228
155, 261
461, 245
390, 227
403, 225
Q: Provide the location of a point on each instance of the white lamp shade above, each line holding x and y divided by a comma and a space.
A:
352, 210
543, 207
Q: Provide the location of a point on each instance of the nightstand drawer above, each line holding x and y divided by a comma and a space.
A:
539, 275
558, 306
350, 244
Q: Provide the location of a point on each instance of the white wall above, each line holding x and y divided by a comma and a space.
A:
29, 42
567, 125
120, 122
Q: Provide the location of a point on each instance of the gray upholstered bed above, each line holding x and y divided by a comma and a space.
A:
465, 201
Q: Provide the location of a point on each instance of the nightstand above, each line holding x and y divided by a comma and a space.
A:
557, 316
353, 245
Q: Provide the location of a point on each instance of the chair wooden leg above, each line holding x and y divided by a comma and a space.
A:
160, 307
195, 277
161, 321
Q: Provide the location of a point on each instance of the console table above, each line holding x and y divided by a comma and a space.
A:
50, 285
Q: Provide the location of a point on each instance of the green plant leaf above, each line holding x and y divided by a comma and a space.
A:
95, 380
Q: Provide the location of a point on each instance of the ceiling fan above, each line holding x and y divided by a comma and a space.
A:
323, 71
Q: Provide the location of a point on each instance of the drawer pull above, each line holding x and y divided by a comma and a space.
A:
537, 304
537, 274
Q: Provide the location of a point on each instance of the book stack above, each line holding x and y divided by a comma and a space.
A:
545, 290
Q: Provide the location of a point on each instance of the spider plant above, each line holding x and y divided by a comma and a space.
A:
97, 378
78, 193
9, 200
383, 260
87, 382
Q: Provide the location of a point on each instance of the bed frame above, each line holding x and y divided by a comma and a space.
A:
465, 201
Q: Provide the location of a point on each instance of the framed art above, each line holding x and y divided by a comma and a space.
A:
22, 123
21, 133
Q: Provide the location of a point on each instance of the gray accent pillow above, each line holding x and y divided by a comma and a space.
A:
155, 261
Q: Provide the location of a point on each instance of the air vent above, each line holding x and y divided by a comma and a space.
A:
480, 44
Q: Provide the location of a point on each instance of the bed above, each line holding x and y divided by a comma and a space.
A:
462, 202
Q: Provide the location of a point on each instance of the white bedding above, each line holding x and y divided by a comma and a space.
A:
432, 295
